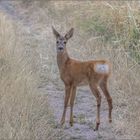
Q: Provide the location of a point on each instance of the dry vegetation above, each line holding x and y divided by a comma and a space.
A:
24, 113
109, 30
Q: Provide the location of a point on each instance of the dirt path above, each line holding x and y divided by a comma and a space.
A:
84, 112
85, 104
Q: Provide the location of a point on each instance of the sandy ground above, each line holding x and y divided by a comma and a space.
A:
84, 115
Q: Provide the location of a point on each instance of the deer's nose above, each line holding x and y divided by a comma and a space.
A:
60, 48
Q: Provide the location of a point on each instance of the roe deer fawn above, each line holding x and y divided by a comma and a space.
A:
75, 73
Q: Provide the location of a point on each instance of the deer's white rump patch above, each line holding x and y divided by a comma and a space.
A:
102, 68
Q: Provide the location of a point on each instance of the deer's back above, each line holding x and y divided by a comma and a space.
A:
80, 73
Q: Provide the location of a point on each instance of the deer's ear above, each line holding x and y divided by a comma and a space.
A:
69, 34
56, 34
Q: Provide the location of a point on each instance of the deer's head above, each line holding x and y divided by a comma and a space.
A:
61, 41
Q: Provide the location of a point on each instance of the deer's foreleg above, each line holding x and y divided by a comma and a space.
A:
67, 95
73, 93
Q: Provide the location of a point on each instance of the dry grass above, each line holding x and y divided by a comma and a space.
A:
103, 30
24, 113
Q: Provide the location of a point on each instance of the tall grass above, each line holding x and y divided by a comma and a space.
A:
24, 113
103, 30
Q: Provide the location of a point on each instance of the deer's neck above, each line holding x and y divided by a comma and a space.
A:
62, 58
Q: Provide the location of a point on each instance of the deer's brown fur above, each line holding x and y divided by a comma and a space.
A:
76, 73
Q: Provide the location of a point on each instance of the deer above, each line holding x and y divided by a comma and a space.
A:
75, 73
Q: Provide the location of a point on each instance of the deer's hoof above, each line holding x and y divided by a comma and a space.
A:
110, 120
97, 126
71, 123
95, 129
62, 122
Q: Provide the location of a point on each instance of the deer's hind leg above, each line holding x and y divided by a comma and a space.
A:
104, 88
96, 93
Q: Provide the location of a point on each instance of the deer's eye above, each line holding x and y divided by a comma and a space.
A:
65, 42
57, 42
